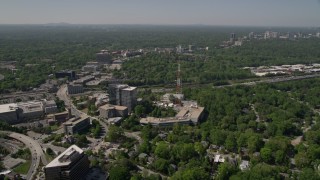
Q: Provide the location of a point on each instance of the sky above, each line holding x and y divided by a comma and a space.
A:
304, 13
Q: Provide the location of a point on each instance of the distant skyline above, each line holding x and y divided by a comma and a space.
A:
296, 13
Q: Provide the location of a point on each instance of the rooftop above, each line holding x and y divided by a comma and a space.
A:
31, 106
186, 114
49, 103
66, 157
154, 120
109, 106
76, 120
190, 112
8, 107
129, 88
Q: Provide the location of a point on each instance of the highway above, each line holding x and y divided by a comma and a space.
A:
36, 151
272, 80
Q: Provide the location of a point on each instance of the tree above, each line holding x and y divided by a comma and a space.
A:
119, 173
279, 157
115, 133
198, 147
49, 151
196, 173
162, 150
139, 110
161, 165
266, 155
254, 143
301, 160
225, 170
231, 143
308, 173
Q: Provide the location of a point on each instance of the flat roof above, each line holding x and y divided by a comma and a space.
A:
8, 107
162, 120
129, 88
190, 112
110, 106
31, 106
185, 114
74, 121
64, 158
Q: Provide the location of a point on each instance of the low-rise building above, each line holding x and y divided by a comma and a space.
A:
31, 110
187, 115
66, 73
110, 111
244, 165
50, 107
76, 125
62, 117
9, 113
71, 164
84, 80
90, 68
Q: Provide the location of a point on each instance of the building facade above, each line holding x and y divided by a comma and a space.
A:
123, 95
9, 113
110, 111
75, 89
66, 73
76, 125
72, 164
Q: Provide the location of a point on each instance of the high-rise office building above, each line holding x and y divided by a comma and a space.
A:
72, 164
123, 95
232, 37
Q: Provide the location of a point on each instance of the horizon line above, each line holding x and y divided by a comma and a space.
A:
139, 24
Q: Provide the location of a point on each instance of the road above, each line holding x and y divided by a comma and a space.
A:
135, 135
35, 148
62, 94
143, 169
271, 80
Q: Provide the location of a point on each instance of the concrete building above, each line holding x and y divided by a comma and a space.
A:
238, 43
123, 95
129, 98
75, 89
192, 48
50, 107
187, 115
72, 164
251, 35
179, 49
110, 111
318, 34
271, 35
9, 113
62, 117
31, 110
103, 57
90, 68
66, 73
76, 125
84, 80
232, 37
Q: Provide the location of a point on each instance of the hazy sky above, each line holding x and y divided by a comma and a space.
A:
211, 12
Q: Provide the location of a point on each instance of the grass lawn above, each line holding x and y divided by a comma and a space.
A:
23, 168
49, 157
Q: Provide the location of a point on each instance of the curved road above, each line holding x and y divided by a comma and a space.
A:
62, 94
36, 151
